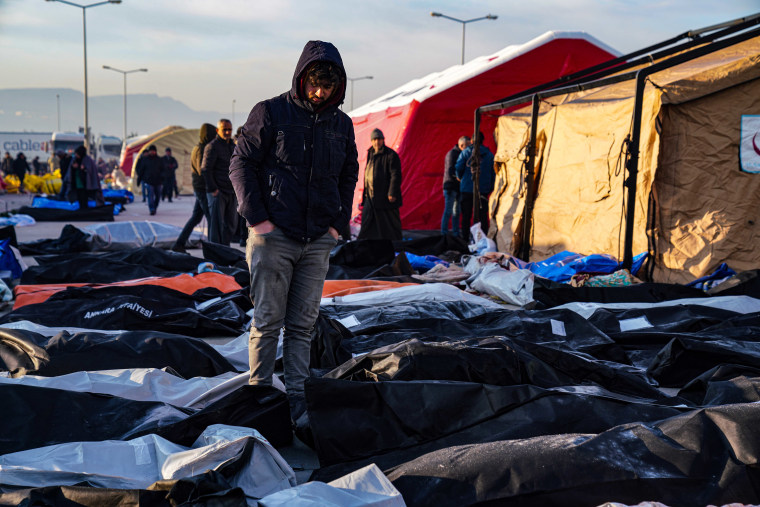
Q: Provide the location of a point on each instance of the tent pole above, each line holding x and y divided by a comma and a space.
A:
530, 195
632, 168
475, 167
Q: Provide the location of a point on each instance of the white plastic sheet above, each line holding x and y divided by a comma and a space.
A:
128, 235
514, 287
142, 384
138, 463
411, 293
27, 325
739, 304
367, 486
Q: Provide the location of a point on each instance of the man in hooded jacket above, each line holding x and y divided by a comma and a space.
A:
294, 171
200, 210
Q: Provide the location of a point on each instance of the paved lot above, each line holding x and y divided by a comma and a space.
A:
175, 213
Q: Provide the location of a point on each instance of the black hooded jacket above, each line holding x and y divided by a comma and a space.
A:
207, 134
215, 166
296, 165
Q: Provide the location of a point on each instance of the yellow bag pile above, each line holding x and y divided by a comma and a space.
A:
48, 184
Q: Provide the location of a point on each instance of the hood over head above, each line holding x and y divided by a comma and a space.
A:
207, 133
315, 51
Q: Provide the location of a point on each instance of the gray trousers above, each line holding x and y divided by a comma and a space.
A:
286, 287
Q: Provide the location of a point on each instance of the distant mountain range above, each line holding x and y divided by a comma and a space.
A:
35, 109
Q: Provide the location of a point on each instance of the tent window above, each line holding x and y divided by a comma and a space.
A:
749, 149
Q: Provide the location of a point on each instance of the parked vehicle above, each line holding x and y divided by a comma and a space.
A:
108, 148
66, 141
32, 144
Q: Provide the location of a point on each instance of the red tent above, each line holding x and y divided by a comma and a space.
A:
423, 119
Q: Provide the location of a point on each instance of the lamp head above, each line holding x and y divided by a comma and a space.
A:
143, 70
491, 16
114, 1
434, 14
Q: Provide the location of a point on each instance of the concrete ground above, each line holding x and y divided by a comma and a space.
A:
300, 457
175, 213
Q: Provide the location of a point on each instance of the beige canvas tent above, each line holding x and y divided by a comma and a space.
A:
181, 141
697, 201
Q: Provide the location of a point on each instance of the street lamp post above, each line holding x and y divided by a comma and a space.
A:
58, 109
233, 113
124, 72
464, 24
352, 79
84, 37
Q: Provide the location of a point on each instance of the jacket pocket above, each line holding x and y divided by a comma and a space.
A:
291, 146
337, 151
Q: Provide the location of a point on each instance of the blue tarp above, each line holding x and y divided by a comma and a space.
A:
718, 276
424, 262
123, 193
8, 261
43, 202
562, 266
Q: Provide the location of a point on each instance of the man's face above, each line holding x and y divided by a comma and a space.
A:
224, 129
317, 92
378, 143
463, 145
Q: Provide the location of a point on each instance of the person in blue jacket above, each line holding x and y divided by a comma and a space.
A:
485, 183
294, 170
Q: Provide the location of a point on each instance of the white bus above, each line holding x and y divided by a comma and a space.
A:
66, 142
108, 148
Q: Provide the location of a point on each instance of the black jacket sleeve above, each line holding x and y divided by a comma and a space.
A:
207, 167
251, 149
394, 187
349, 175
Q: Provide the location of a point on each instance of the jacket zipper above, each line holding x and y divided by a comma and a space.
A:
311, 173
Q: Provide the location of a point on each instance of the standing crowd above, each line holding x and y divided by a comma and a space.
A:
458, 189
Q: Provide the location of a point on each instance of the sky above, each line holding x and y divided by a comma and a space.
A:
216, 55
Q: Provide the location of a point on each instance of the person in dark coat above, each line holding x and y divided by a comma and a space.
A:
200, 210
20, 168
451, 188
485, 184
7, 165
64, 161
82, 177
222, 205
37, 165
150, 170
170, 178
294, 171
381, 199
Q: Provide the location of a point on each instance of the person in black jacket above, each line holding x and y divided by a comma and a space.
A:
20, 168
451, 188
221, 197
294, 171
150, 169
382, 192
170, 176
200, 210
